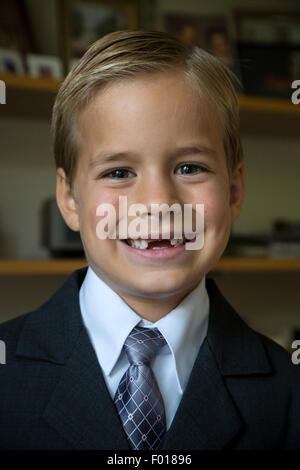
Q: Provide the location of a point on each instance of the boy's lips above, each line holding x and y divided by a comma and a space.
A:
166, 253
160, 241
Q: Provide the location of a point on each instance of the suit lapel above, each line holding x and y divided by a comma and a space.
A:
81, 408
207, 417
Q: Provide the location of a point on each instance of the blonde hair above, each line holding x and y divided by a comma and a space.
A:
125, 54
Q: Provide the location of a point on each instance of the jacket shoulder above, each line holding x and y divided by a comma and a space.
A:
42, 325
231, 337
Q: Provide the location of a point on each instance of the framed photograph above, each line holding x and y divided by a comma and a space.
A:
268, 44
86, 21
40, 66
11, 62
208, 32
267, 27
15, 28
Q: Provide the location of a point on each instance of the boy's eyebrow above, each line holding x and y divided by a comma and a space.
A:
180, 151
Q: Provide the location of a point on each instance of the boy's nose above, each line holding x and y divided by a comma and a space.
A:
157, 191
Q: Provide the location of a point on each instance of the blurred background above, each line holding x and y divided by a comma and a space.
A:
40, 40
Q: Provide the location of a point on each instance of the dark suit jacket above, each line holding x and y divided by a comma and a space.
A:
243, 391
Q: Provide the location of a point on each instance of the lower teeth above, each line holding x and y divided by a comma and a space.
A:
152, 248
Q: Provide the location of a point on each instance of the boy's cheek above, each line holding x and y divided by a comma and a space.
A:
96, 211
216, 214
91, 203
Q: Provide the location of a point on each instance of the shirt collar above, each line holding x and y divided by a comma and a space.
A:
109, 320
185, 328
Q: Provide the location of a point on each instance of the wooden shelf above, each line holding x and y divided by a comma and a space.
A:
40, 267
25, 82
258, 264
34, 97
66, 266
247, 103
269, 117
268, 105
28, 97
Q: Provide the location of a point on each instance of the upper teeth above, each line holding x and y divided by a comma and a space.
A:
143, 244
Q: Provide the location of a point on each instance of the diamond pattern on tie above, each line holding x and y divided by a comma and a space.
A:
138, 399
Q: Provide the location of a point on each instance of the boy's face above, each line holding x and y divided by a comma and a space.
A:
150, 117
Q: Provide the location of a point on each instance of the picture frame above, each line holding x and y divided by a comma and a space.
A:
41, 66
267, 26
15, 29
268, 44
85, 21
211, 33
11, 62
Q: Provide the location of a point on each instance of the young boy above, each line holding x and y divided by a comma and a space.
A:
140, 350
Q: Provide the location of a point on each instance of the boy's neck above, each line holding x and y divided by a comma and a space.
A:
153, 309
148, 308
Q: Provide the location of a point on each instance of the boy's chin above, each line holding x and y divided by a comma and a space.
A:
159, 286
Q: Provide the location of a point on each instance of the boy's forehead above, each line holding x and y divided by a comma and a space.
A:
169, 96
167, 88
159, 106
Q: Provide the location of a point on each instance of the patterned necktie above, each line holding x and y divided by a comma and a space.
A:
138, 399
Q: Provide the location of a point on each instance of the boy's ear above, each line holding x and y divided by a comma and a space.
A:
66, 201
237, 190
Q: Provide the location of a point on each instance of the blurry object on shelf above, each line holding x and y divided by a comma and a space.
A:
267, 70
285, 241
268, 45
267, 26
248, 246
208, 32
285, 249
11, 62
88, 21
15, 31
57, 237
41, 66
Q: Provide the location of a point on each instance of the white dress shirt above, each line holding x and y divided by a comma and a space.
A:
109, 320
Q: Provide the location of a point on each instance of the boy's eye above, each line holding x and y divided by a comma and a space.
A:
118, 173
187, 169
191, 168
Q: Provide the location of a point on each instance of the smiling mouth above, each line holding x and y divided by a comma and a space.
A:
142, 244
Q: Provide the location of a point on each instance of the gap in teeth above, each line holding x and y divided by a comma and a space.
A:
143, 244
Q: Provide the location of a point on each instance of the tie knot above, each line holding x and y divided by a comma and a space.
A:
142, 344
